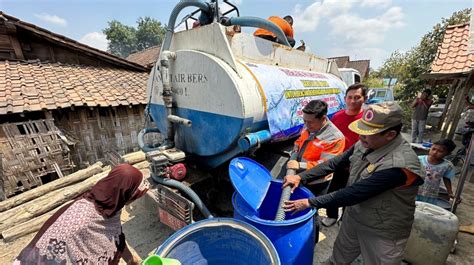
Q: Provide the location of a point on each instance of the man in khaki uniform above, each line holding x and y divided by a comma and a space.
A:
380, 196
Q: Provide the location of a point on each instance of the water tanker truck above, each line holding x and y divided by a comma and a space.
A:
215, 94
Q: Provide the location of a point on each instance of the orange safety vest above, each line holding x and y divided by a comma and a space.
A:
320, 146
280, 22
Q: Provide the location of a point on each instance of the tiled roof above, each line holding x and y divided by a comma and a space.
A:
70, 43
34, 86
471, 33
146, 58
341, 61
453, 55
360, 65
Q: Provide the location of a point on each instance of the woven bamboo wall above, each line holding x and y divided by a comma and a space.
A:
29, 151
102, 131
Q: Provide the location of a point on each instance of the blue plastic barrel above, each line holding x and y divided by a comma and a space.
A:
219, 241
294, 237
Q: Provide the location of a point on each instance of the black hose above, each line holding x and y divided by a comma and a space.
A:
285, 196
174, 14
141, 139
185, 189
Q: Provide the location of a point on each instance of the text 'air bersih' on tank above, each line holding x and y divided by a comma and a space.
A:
218, 92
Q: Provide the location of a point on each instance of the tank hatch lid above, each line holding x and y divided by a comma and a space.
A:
250, 179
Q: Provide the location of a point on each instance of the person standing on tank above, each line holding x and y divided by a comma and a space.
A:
285, 24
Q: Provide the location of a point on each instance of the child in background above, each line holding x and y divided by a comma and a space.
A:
435, 168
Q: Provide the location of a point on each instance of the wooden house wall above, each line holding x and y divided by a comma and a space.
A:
101, 132
33, 47
6, 46
31, 150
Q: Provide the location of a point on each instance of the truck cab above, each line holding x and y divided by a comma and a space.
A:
379, 95
350, 76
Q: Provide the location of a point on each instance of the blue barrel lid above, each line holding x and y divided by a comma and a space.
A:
250, 179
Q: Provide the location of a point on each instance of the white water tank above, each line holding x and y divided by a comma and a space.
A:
432, 235
229, 87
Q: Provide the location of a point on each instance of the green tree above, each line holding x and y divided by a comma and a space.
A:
394, 67
149, 33
124, 40
409, 66
374, 79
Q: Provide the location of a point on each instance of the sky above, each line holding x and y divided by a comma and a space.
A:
361, 29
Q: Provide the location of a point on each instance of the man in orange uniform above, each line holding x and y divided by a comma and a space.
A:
285, 24
320, 140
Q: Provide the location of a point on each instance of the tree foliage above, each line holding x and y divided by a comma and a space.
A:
409, 66
149, 33
374, 79
124, 40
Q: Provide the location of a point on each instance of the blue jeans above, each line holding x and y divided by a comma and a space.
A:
417, 130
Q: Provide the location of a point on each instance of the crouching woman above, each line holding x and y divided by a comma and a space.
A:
88, 230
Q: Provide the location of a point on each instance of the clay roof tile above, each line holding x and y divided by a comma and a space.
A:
32, 85
453, 51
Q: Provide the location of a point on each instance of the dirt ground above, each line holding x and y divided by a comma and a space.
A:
145, 233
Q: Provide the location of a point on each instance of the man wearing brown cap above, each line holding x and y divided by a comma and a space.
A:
380, 196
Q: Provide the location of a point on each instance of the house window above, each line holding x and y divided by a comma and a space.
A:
357, 78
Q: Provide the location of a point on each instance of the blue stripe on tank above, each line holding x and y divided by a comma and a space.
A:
210, 133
